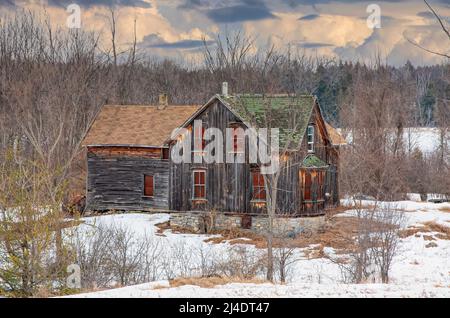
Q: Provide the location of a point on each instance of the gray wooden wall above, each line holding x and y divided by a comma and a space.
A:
116, 182
228, 186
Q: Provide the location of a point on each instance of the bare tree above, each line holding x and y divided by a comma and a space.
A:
444, 28
285, 257
385, 238
113, 35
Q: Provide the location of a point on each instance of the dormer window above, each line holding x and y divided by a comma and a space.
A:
310, 138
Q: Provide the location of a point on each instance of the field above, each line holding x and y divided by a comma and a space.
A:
420, 269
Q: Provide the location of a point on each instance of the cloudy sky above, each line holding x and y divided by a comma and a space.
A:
336, 28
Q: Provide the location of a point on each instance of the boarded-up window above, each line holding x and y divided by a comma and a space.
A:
148, 185
313, 184
307, 185
165, 153
259, 190
199, 141
237, 139
199, 184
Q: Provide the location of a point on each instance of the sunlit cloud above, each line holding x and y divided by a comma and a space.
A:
338, 29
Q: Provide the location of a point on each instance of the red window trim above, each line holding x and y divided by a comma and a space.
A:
199, 184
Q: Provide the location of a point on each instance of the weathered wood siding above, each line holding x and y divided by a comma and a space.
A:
228, 186
116, 179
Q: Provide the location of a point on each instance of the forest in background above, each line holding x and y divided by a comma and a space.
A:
53, 82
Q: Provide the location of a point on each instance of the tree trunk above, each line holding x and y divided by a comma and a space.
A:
270, 249
283, 271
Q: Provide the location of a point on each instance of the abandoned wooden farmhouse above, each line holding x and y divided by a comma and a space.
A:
129, 166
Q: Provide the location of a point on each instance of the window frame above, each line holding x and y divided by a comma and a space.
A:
310, 132
236, 138
144, 194
258, 188
194, 185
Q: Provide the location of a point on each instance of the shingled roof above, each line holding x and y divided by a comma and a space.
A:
335, 136
312, 161
285, 112
134, 125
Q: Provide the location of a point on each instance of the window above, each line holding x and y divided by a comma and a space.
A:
259, 189
199, 184
148, 185
310, 138
165, 153
238, 140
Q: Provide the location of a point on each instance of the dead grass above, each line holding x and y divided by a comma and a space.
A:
410, 231
211, 282
337, 210
160, 287
436, 227
338, 233
431, 226
162, 227
238, 236
445, 209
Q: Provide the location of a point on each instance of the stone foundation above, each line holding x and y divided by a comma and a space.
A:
283, 226
223, 221
194, 222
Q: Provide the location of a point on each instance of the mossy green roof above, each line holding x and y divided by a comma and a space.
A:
288, 113
312, 161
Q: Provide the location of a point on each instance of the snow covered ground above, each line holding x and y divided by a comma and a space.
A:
418, 271
293, 290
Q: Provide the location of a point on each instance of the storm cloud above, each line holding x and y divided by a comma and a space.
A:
155, 41
239, 13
